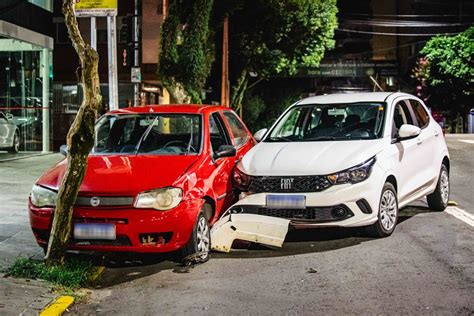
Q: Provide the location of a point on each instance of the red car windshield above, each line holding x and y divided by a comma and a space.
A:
151, 134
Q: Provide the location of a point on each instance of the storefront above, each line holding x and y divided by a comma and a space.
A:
25, 77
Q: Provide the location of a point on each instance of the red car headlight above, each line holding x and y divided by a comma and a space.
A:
241, 180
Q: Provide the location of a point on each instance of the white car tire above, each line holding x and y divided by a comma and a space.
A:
438, 200
387, 213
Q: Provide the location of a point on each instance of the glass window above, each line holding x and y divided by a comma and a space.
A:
421, 115
45, 4
238, 130
157, 134
218, 135
330, 122
401, 116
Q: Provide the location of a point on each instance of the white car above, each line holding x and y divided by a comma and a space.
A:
9, 134
346, 160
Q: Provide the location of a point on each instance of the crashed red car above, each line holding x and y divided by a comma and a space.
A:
156, 180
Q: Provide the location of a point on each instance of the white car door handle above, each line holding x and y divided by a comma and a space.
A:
436, 133
419, 141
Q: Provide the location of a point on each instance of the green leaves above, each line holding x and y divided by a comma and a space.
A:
186, 54
450, 60
266, 38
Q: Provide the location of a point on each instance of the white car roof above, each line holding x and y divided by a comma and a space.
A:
339, 98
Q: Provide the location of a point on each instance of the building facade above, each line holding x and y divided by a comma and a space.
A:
26, 51
67, 95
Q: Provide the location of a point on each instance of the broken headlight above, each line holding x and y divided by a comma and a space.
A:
41, 197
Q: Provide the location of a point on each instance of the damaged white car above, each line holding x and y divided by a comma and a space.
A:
345, 160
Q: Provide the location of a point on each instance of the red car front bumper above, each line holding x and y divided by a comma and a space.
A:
137, 230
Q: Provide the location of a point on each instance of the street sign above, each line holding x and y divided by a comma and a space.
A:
136, 75
88, 8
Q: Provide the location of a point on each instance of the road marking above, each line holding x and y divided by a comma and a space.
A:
469, 141
461, 215
58, 307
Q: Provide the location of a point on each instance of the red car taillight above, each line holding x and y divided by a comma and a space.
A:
241, 180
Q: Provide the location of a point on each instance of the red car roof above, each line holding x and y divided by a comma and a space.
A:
170, 108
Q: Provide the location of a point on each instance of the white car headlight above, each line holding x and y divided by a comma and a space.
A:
41, 196
355, 174
160, 199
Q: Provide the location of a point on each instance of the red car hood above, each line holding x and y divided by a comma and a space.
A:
123, 175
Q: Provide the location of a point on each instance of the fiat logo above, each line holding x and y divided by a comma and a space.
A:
286, 183
95, 201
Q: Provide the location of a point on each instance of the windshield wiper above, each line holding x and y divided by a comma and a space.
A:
276, 139
324, 138
145, 134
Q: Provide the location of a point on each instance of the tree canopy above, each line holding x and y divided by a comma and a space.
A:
266, 38
447, 63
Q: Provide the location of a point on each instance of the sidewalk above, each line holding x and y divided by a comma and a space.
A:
16, 238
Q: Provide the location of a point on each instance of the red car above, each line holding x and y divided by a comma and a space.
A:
156, 180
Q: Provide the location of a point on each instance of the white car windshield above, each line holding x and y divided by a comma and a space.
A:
151, 134
318, 122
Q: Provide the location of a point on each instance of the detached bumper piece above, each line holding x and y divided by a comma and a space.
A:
260, 229
309, 214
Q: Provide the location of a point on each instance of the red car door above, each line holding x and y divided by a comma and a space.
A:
221, 175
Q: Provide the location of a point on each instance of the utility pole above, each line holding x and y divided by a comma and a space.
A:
94, 33
225, 89
112, 54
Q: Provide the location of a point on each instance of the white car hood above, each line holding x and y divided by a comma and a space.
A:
307, 158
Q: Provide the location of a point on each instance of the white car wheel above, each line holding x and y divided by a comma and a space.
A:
388, 213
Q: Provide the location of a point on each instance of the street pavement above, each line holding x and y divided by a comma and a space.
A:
425, 267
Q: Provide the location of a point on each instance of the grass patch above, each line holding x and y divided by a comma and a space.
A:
73, 274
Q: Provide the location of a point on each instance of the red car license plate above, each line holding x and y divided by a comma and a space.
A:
94, 231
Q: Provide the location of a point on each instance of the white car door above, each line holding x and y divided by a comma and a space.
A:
410, 161
428, 141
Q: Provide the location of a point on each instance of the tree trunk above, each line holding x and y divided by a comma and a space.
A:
238, 91
80, 140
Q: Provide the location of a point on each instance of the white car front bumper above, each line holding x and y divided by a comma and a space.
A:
360, 200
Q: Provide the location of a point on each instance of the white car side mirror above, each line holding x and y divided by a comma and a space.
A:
260, 134
408, 131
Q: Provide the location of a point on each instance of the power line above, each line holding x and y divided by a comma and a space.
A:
409, 15
401, 23
392, 34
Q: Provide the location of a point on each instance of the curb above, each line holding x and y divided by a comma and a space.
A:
58, 306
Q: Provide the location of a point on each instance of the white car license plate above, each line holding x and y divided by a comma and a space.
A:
286, 201
94, 231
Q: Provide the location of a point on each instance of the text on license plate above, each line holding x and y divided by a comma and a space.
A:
94, 231
286, 201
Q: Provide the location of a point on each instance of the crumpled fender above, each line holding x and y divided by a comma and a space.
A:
249, 227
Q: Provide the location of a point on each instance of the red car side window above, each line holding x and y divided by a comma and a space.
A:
218, 134
238, 130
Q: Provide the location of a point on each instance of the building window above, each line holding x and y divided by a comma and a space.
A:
45, 4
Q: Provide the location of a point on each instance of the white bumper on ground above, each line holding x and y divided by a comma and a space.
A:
265, 230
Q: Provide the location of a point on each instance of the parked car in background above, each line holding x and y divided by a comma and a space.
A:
440, 119
9, 134
346, 160
156, 180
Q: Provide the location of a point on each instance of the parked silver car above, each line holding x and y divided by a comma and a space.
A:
9, 134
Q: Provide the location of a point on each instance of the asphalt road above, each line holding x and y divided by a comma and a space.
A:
425, 267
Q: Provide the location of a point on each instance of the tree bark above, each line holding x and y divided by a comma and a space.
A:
80, 140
